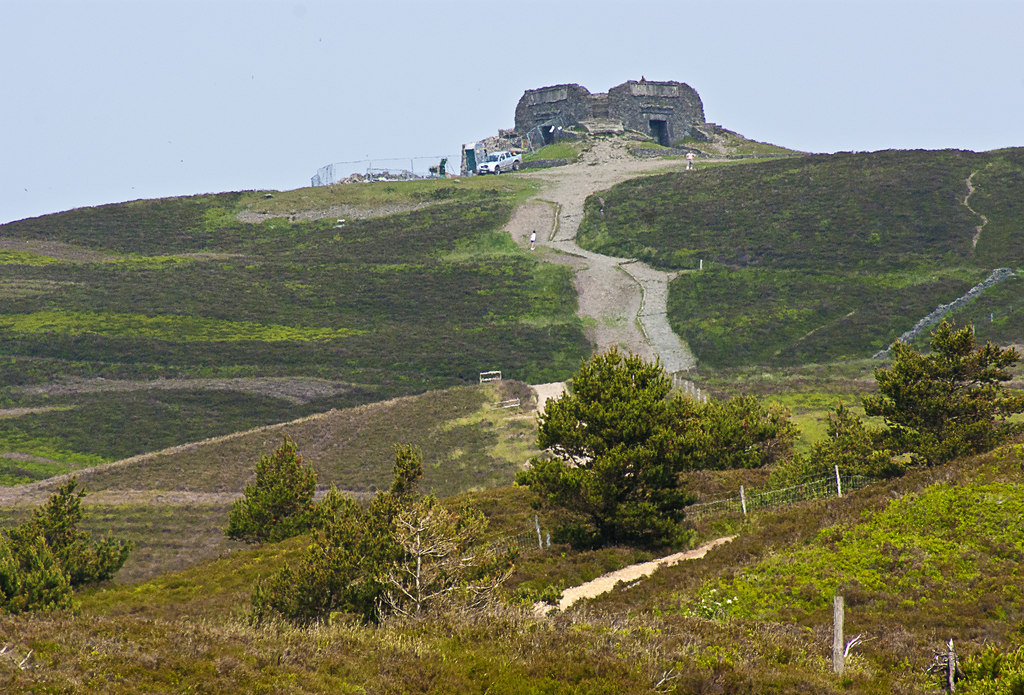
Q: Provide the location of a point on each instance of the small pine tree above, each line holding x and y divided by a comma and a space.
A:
351, 549
42, 559
31, 577
848, 445
56, 522
279, 504
950, 403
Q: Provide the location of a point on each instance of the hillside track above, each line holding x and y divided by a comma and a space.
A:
967, 204
622, 301
631, 573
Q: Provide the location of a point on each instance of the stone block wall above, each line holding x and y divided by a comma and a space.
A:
637, 104
668, 111
538, 106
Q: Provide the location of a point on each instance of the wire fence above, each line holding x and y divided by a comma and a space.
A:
536, 539
383, 169
744, 503
521, 542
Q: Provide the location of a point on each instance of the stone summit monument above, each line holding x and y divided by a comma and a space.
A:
667, 111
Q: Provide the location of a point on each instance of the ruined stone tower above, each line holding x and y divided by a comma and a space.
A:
667, 111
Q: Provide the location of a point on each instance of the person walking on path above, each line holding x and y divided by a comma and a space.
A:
533, 239
689, 160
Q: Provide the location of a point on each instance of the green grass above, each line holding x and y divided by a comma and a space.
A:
167, 327
16, 471
934, 549
9, 257
791, 317
997, 315
735, 145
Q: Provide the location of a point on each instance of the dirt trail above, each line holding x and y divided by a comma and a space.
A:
624, 299
966, 204
607, 582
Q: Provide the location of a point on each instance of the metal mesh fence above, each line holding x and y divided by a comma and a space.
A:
818, 488
382, 169
525, 541
809, 490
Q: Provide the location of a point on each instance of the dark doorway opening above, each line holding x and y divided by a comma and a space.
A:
548, 133
659, 131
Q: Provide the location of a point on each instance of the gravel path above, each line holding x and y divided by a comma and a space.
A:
622, 301
607, 582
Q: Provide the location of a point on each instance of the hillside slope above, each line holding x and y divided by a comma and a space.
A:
174, 503
917, 570
824, 257
133, 327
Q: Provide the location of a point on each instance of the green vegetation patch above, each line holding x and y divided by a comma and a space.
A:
558, 150
28, 454
111, 425
11, 257
17, 471
845, 210
370, 196
932, 549
466, 442
170, 327
997, 315
788, 317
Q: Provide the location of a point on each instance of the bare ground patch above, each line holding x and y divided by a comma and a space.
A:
640, 570
28, 458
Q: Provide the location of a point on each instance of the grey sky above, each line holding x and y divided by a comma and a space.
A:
110, 101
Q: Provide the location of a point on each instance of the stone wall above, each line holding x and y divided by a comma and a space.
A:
538, 106
675, 104
668, 111
998, 275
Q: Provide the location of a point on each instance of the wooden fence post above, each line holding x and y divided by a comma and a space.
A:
951, 667
743, 501
837, 634
839, 484
540, 540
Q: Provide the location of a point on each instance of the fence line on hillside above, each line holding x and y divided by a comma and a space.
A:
746, 502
